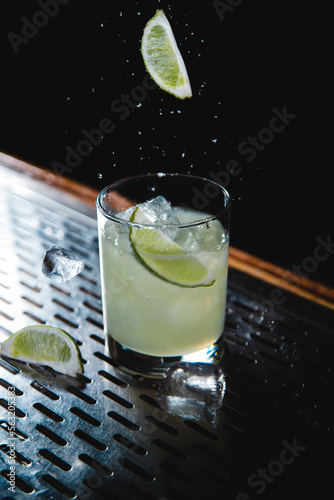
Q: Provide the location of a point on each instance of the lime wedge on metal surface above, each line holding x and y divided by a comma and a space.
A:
164, 257
162, 57
46, 345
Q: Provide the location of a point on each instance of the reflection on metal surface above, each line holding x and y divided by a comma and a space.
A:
103, 435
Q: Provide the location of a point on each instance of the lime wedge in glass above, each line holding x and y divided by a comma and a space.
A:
165, 258
162, 57
44, 345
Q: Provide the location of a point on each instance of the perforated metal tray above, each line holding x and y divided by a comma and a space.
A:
104, 435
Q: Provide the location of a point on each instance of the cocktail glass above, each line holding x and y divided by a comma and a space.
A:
154, 318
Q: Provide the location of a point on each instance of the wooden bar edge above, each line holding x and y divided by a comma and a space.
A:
281, 277
85, 193
238, 259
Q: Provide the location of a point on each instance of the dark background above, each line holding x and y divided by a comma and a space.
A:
242, 64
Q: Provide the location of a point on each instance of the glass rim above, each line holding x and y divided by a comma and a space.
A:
112, 186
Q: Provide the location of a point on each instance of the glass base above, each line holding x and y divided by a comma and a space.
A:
147, 366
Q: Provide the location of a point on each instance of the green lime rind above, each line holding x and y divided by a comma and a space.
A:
162, 57
165, 258
46, 345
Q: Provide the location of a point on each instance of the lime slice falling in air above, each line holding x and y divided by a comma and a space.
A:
162, 57
166, 258
45, 345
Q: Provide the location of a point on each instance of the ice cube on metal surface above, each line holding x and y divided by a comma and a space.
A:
61, 265
193, 391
